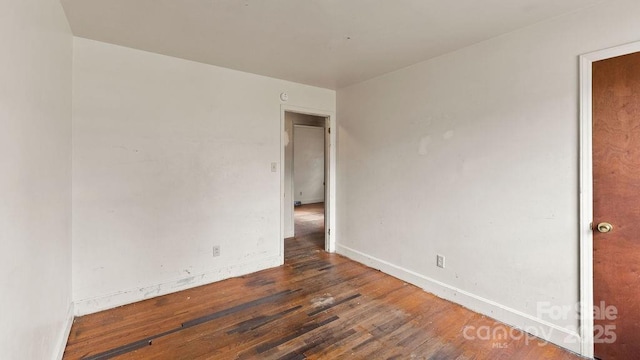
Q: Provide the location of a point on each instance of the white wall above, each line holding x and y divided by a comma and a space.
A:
308, 164
474, 155
172, 157
35, 179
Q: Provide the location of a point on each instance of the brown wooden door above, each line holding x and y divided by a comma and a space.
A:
616, 186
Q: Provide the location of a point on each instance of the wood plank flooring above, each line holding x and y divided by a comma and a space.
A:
316, 306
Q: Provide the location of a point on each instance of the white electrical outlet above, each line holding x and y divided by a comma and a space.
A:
216, 250
440, 261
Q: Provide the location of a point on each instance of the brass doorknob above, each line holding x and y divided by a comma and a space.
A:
604, 227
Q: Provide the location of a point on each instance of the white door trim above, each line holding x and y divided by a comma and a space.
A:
586, 188
330, 201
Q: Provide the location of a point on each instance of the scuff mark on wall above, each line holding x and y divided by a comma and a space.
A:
185, 281
153, 292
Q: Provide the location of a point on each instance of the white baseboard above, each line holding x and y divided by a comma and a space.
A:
311, 201
64, 335
92, 305
552, 333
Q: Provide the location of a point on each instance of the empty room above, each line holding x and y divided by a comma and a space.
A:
321, 179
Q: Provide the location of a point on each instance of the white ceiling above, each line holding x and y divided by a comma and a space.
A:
326, 43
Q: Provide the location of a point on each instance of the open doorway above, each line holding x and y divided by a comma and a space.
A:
305, 177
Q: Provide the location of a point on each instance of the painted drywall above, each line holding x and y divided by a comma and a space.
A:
35, 180
172, 157
308, 164
474, 155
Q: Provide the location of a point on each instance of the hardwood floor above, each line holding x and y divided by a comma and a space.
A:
316, 306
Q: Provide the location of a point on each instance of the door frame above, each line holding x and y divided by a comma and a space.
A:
586, 188
330, 173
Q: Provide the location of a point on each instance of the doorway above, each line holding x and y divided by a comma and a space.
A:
308, 176
610, 194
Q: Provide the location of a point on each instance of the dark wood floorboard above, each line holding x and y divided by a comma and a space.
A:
316, 306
